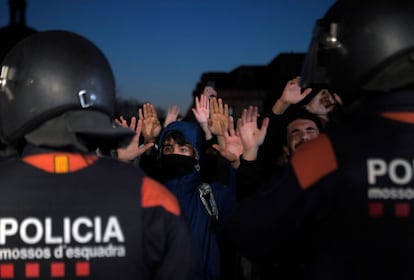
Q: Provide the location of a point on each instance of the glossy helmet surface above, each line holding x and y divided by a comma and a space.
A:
50, 73
362, 46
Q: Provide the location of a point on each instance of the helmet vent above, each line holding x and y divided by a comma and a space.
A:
86, 99
3, 82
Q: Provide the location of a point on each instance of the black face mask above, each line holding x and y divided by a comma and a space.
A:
176, 166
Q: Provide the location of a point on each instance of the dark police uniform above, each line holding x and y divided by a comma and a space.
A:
95, 219
343, 209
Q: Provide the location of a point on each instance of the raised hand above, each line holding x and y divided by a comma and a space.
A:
202, 113
172, 115
291, 95
133, 150
202, 109
251, 136
233, 147
151, 126
219, 115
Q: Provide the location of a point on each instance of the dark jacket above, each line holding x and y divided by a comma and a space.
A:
205, 228
344, 207
97, 218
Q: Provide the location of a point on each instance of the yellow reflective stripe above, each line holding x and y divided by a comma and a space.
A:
61, 163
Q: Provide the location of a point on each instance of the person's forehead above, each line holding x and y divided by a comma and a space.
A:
168, 141
171, 142
300, 123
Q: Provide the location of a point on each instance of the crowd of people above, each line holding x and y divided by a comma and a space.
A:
317, 188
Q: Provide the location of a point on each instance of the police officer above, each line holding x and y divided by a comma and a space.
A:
344, 209
64, 212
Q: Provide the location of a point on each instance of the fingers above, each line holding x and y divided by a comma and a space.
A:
175, 110
243, 118
121, 121
133, 123
197, 102
145, 147
337, 98
204, 101
306, 92
239, 125
147, 110
232, 131
226, 110
140, 114
217, 147
118, 121
138, 128
251, 114
214, 105
220, 106
265, 124
224, 127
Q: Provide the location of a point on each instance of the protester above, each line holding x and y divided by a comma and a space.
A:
204, 205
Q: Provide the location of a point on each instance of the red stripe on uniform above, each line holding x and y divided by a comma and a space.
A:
314, 160
154, 194
47, 162
407, 117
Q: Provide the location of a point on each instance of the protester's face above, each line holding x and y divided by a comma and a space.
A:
170, 147
300, 131
322, 103
210, 92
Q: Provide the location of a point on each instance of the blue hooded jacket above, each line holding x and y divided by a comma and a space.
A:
185, 188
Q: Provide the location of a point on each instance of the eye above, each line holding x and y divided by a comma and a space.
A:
311, 130
167, 150
184, 149
295, 132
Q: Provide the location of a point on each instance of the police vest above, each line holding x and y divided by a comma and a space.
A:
84, 224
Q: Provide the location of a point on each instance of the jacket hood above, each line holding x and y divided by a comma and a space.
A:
190, 130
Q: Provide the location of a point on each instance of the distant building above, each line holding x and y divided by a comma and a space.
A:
17, 28
253, 85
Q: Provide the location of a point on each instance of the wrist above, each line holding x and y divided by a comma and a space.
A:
250, 154
149, 140
235, 164
280, 107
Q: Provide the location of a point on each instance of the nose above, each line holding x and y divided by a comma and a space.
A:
176, 150
304, 136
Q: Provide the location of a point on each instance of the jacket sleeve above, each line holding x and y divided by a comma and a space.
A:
248, 179
169, 248
272, 222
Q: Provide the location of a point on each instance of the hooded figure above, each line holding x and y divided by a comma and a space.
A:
203, 205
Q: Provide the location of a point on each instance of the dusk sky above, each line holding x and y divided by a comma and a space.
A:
159, 49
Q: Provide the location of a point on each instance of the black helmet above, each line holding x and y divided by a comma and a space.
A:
364, 46
51, 73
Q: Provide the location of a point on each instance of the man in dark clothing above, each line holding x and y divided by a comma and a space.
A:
344, 206
65, 212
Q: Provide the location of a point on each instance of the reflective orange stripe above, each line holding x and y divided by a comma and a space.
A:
154, 194
60, 162
314, 160
407, 117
